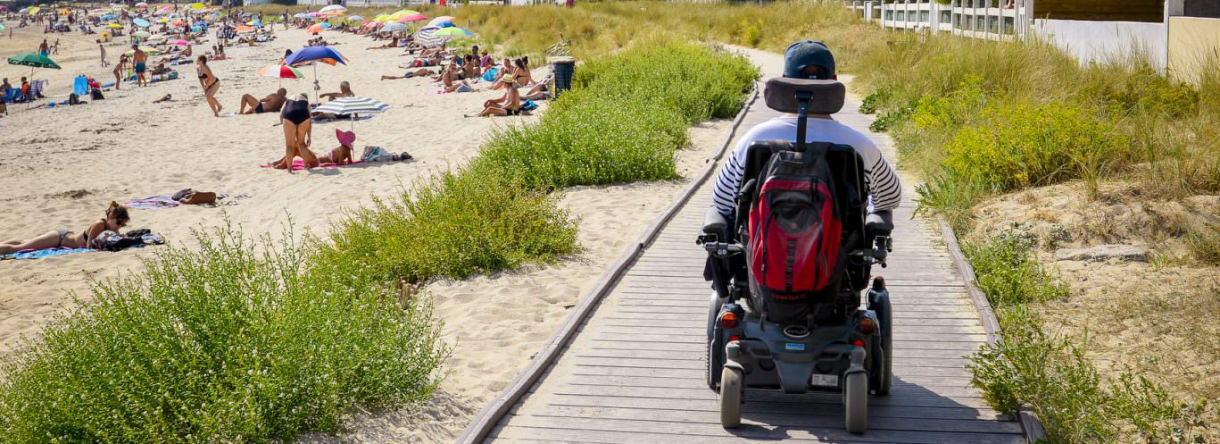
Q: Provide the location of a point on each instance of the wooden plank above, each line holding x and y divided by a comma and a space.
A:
803, 408
822, 418
750, 430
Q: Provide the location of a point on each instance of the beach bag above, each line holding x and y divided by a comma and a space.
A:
96, 94
528, 105
794, 238
490, 75
376, 154
73, 99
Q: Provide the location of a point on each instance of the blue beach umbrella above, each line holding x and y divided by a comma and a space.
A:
312, 55
108, 17
140, 22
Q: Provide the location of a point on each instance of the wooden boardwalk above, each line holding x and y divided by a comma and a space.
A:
635, 371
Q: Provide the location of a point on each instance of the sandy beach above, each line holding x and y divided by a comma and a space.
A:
60, 167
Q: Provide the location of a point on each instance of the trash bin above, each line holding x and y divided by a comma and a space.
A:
563, 67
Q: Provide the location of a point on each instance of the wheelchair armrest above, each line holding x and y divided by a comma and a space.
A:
715, 223
880, 223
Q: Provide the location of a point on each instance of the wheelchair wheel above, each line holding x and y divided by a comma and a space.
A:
715, 345
883, 364
855, 403
731, 391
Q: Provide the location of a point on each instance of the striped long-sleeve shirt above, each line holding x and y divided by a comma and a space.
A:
885, 190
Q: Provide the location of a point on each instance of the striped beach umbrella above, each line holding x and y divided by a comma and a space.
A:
352, 106
394, 27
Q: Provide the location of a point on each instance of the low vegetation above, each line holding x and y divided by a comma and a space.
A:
233, 342
1051, 373
243, 341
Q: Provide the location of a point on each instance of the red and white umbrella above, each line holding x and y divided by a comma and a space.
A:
280, 72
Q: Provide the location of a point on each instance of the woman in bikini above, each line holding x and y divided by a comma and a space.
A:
118, 71
210, 84
116, 218
298, 133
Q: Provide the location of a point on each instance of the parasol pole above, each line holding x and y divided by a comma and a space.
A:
315, 81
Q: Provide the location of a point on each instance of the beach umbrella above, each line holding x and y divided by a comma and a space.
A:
412, 18
352, 106
314, 28
34, 10
142, 34
108, 17
333, 8
382, 18
300, 15
198, 6
181, 42
312, 55
280, 72
243, 28
452, 32
426, 36
114, 26
177, 22
355, 18
140, 22
442, 19
315, 14
394, 27
141, 5
33, 60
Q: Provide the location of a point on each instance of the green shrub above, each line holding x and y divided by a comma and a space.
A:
456, 225
751, 33
230, 343
873, 100
1007, 272
1204, 243
625, 118
1024, 144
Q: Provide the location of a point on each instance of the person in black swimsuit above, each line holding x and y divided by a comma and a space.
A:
269, 104
116, 218
298, 133
210, 84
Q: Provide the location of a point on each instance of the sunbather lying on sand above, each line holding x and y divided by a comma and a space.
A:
409, 74
116, 218
269, 104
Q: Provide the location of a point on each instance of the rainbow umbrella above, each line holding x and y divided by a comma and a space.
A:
453, 32
412, 18
281, 72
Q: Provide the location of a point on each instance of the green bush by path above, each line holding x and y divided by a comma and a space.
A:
625, 118
457, 225
230, 343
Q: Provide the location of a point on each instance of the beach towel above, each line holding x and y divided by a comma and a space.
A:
49, 252
153, 202
298, 165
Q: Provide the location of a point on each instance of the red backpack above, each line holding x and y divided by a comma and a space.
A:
795, 234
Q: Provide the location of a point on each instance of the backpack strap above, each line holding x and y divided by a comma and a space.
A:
802, 113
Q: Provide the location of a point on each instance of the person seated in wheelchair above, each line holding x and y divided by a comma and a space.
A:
808, 59
800, 212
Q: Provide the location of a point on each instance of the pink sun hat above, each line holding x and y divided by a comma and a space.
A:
346, 138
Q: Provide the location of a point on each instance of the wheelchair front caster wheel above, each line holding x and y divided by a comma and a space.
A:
730, 397
855, 402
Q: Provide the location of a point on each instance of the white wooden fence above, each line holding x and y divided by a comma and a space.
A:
971, 18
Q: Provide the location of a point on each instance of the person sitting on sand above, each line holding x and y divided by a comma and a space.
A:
345, 90
218, 52
270, 104
298, 133
186, 52
470, 67
524, 78
393, 44
343, 154
505, 75
160, 69
510, 107
116, 218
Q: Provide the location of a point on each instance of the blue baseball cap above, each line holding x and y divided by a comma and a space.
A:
807, 53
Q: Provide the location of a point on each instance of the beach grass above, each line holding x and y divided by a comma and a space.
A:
233, 342
625, 119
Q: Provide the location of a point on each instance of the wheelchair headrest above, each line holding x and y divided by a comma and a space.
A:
827, 95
